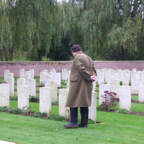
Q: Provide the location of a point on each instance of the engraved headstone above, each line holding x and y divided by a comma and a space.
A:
45, 100
4, 95
53, 86
23, 97
20, 82
63, 111
141, 91
92, 108
32, 87
125, 97
22, 73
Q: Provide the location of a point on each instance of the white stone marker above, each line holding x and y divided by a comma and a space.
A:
27, 78
115, 87
141, 91
68, 83
31, 73
94, 85
11, 75
45, 100
4, 95
53, 86
42, 77
102, 88
100, 77
142, 76
11, 86
32, 87
23, 97
20, 82
48, 78
135, 85
6, 75
5, 142
57, 77
125, 97
22, 73
126, 78
64, 74
92, 108
63, 111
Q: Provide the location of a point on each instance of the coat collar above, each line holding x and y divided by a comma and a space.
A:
79, 52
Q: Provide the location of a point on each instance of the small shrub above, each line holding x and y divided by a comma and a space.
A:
55, 103
37, 114
34, 99
15, 111
4, 109
44, 114
124, 111
109, 101
14, 98
56, 117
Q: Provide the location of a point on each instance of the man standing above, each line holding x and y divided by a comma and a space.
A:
81, 77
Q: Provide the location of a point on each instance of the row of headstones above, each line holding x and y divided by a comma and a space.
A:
124, 76
46, 98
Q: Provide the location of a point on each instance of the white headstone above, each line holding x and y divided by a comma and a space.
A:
6, 75
22, 73
94, 86
45, 100
42, 77
63, 111
126, 78
115, 87
64, 74
100, 77
57, 77
141, 91
53, 86
23, 97
11, 86
125, 97
27, 78
31, 73
20, 82
48, 78
32, 87
68, 83
135, 85
92, 108
102, 89
4, 95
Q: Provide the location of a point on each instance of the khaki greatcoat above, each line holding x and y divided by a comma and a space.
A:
80, 81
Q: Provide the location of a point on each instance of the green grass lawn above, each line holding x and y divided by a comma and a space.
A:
115, 128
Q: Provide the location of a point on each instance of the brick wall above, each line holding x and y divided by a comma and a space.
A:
14, 67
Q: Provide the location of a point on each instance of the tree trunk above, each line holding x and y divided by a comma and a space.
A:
5, 53
1, 54
125, 55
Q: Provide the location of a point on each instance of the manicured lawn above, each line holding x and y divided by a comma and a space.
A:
114, 129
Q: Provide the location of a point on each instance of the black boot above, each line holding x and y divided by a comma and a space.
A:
84, 116
74, 118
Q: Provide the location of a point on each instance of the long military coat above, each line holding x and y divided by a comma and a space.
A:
80, 81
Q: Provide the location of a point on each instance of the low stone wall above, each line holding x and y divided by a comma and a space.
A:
14, 67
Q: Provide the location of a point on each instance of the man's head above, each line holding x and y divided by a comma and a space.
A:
75, 49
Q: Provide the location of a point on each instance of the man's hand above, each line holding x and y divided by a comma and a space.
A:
93, 78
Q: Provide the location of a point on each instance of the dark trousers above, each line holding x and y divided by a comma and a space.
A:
74, 115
